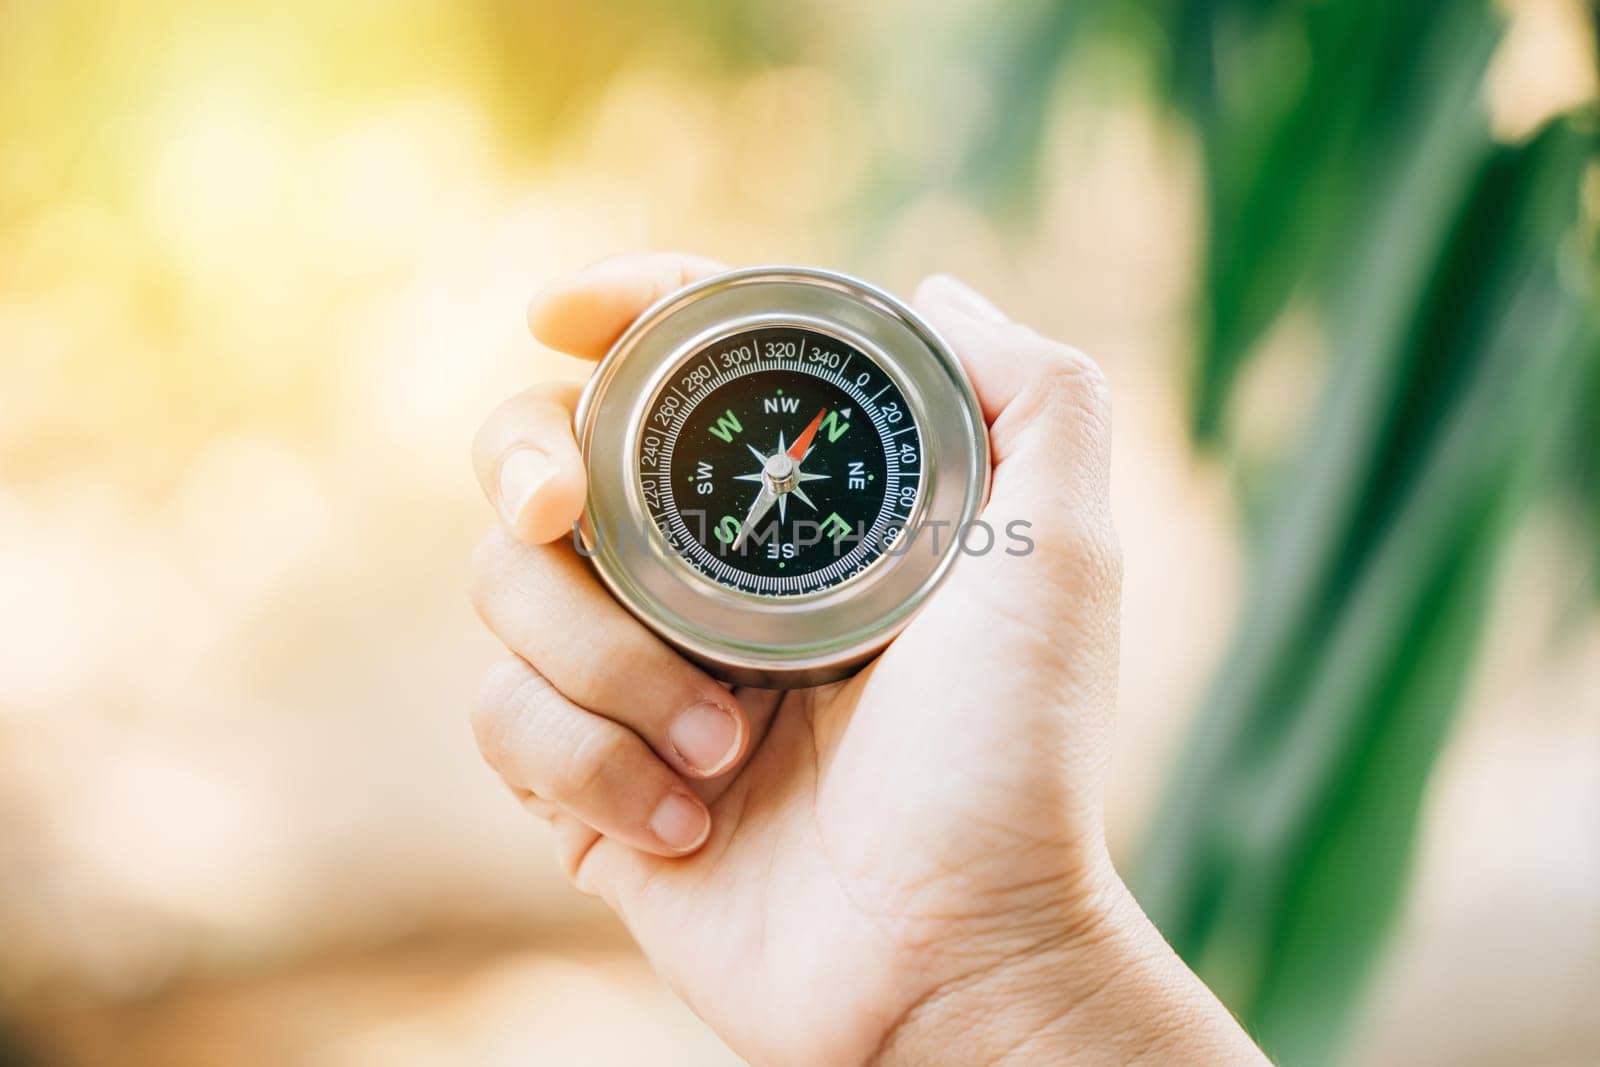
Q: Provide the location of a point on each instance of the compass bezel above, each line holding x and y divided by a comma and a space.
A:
751, 638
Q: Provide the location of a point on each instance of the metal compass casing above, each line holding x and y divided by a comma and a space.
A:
780, 462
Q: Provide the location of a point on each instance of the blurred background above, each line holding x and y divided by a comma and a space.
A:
262, 269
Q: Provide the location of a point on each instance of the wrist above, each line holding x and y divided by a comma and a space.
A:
1105, 988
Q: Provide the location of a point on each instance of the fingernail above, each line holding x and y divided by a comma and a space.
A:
522, 474
706, 736
965, 298
680, 823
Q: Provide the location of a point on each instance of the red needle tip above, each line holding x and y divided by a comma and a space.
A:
802, 444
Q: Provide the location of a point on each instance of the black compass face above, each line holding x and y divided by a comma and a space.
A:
780, 461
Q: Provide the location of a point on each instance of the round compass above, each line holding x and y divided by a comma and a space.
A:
781, 462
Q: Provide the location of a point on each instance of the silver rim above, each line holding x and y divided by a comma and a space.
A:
744, 637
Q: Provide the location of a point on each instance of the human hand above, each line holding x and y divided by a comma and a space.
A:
910, 863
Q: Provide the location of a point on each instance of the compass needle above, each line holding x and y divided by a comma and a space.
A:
762, 504
802, 444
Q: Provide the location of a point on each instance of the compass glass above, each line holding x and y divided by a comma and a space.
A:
780, 461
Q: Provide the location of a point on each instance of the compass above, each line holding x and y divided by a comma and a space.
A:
781, 463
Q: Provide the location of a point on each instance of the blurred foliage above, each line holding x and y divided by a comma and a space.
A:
1024, 54
1350, 167
1350, 164
1279, 859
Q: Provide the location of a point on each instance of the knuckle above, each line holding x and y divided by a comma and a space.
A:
1073, 379
584, 770
510, 690
574, 845
505, 683
539, 807
1068, 402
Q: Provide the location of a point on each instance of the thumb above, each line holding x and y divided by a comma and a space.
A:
1051, 580
1047, 404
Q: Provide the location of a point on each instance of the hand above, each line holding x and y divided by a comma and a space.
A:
909, 864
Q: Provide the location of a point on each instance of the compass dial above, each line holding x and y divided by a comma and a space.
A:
780, 461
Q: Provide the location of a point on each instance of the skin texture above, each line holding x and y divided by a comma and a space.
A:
908, 866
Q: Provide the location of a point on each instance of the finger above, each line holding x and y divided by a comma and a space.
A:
598, 865
581, 851
583, 315
528, 462
1053, 554
575, 844
1049, 411
547, 606
534, 804
587, 765
1048, 405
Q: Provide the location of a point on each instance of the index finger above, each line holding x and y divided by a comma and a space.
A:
584, 314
